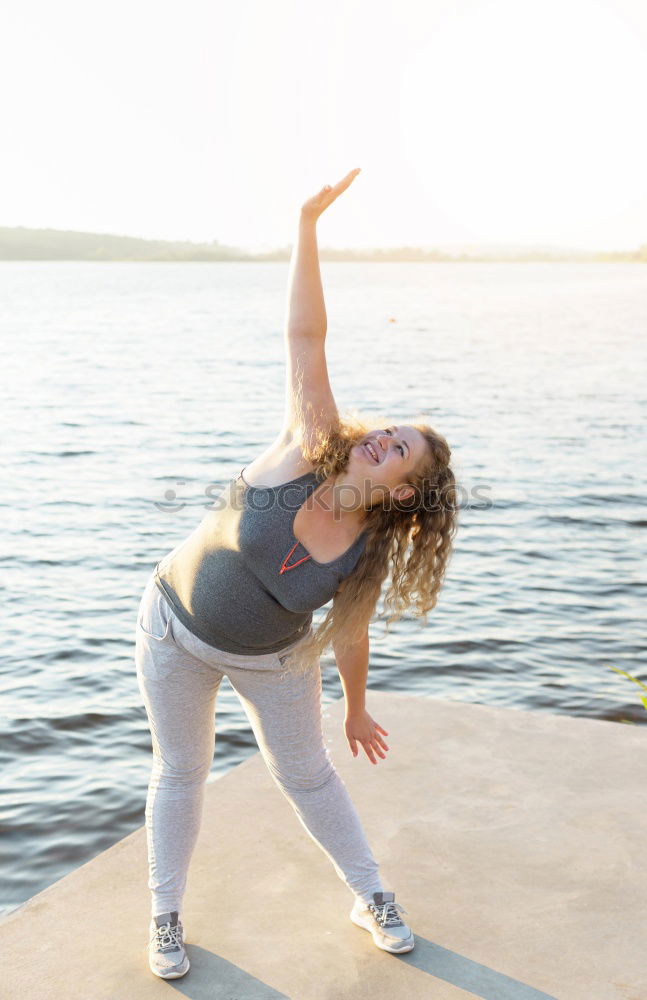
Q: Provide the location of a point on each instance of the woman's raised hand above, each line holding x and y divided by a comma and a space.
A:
313, 207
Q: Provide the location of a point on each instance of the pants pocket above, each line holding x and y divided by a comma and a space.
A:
155, 614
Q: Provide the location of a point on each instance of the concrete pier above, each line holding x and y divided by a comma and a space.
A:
517, 842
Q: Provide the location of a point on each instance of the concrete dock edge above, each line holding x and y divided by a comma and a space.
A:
516, 841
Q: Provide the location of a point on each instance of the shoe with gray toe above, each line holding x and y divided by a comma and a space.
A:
166, 955
382, 919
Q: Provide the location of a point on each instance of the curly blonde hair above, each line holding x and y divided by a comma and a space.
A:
410, 538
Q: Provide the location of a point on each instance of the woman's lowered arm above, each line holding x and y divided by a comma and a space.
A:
352, 664
359, 726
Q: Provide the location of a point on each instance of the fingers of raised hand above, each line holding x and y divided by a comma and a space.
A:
335, 190
324, 198
345, 181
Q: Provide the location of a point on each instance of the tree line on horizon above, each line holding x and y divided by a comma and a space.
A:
20, 243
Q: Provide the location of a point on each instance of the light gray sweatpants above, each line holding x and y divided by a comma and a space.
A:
179, 676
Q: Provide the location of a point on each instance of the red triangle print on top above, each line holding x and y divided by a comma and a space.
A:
284, 564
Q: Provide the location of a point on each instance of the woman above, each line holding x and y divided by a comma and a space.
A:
326, 512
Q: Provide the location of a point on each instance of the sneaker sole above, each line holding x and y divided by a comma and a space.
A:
174, 973
407, 945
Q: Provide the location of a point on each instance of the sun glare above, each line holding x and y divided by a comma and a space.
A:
526, 119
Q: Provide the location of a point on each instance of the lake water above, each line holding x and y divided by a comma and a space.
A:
133, 392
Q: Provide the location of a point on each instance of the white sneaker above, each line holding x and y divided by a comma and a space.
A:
381, 918
166, 955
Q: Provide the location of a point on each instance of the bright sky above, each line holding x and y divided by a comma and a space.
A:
474, 121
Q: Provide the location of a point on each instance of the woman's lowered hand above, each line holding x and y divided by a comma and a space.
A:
361, 728
313, 207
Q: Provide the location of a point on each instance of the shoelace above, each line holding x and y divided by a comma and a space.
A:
168, 937
386, 914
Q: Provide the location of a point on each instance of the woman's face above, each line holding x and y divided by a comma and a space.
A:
387, 457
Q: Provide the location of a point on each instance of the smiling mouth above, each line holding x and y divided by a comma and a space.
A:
370, 448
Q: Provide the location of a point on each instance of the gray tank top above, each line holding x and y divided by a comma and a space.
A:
241, 581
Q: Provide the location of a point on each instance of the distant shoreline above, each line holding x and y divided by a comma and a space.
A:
20, 243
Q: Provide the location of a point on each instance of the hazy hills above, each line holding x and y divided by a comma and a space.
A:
19, 243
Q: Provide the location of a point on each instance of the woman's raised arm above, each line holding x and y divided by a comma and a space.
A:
308, 398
